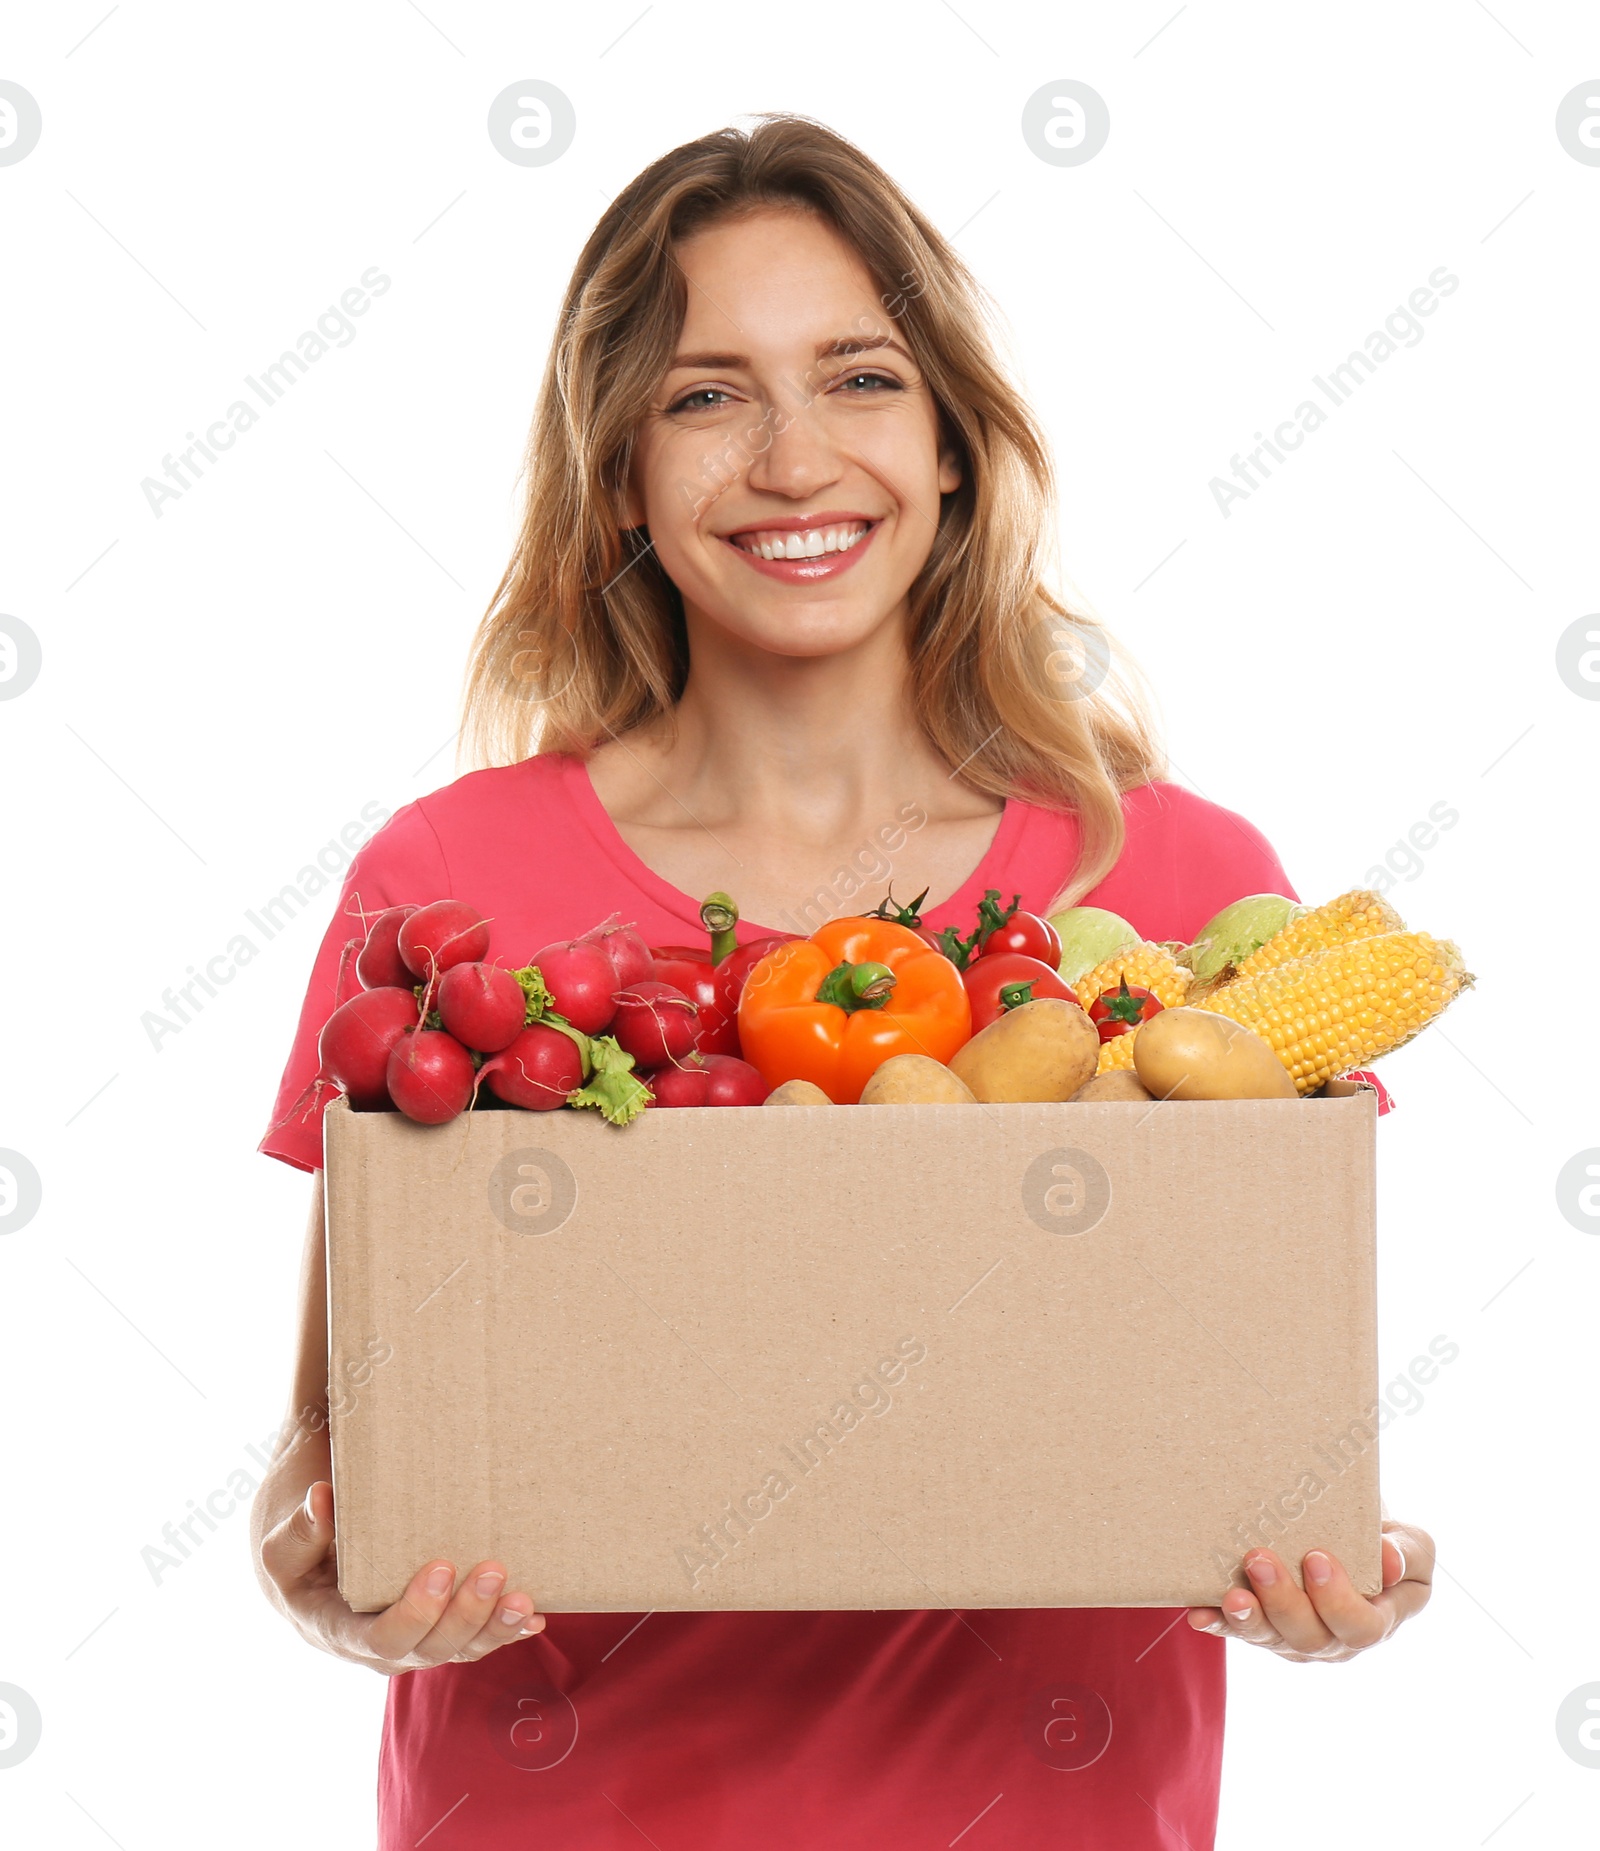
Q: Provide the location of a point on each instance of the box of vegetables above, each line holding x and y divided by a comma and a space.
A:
1077, 1314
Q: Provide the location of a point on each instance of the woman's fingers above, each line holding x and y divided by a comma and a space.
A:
471, 1624
300, 1544
1284, 1608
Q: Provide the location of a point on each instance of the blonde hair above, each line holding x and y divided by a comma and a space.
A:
584, 636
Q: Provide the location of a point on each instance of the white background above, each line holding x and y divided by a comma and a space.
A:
1373, 632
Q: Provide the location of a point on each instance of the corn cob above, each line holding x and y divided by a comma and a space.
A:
1116, 1055
1360, 913
1145, 966
1347, 1005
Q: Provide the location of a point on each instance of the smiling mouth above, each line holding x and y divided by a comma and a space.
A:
801, 543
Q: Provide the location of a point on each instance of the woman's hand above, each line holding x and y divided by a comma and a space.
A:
425, 1626
1328, 1621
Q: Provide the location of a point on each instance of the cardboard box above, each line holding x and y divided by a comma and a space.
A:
889, 1356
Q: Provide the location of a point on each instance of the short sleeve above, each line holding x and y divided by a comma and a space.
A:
402, 863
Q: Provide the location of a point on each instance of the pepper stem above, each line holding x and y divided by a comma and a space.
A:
719, 915
857, 986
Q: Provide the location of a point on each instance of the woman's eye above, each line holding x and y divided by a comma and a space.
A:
697, 400
870, 379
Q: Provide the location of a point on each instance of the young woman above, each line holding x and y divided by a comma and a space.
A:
780, 585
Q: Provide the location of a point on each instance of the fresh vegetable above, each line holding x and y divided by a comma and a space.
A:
914, 1079
629, 954
997, 981
1189, 1053
481, 1005
1347, 1005
1144, 965
1105, 1088
798, 1092
1044, 1050
435, 937
654, 1022
582, 981
1239, 930
1089, 935
540, 1070
379, 964
1354, 915
713, 976
834, 1007
430, 1075
709, 1079
1117, 1012
910, 916
692, 973
1013, 930
355, 1042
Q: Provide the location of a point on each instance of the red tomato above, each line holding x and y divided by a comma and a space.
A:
1005, 981
1117, 1011
1028, 934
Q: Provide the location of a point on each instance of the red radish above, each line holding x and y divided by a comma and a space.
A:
537, 1070
581, 979
629, 954
709, 1079
356, 1039
379, 964
695, 975
654, 1023
482, 1006
436, 937
430, 1075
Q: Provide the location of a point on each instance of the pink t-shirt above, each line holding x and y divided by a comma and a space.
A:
1083, 1728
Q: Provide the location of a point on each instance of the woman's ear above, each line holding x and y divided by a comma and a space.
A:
951, 473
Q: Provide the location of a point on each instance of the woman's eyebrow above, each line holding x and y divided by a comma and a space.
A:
836, 349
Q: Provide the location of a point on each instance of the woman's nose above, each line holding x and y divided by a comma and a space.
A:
792, 453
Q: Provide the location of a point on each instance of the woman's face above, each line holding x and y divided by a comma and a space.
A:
789, 469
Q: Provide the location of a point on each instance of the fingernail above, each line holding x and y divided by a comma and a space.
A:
535, 1624
1261, 1571
510, 1617
1402, 1555
1213, 1626
489, 1584
440, 1581
311, 1515
1318, 1568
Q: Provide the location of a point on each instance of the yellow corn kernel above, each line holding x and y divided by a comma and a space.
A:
1146, 967
1116, 1055
1361, 913
1343, 1007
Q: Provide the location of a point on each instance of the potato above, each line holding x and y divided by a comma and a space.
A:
1118, 1084
1044, 1050
798, 1092
915, 1079
1197, 1054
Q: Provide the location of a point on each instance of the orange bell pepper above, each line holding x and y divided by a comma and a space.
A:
834, 1007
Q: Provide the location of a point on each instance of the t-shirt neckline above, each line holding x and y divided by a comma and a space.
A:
586, 801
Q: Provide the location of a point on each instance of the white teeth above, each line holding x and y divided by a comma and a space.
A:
807, 543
